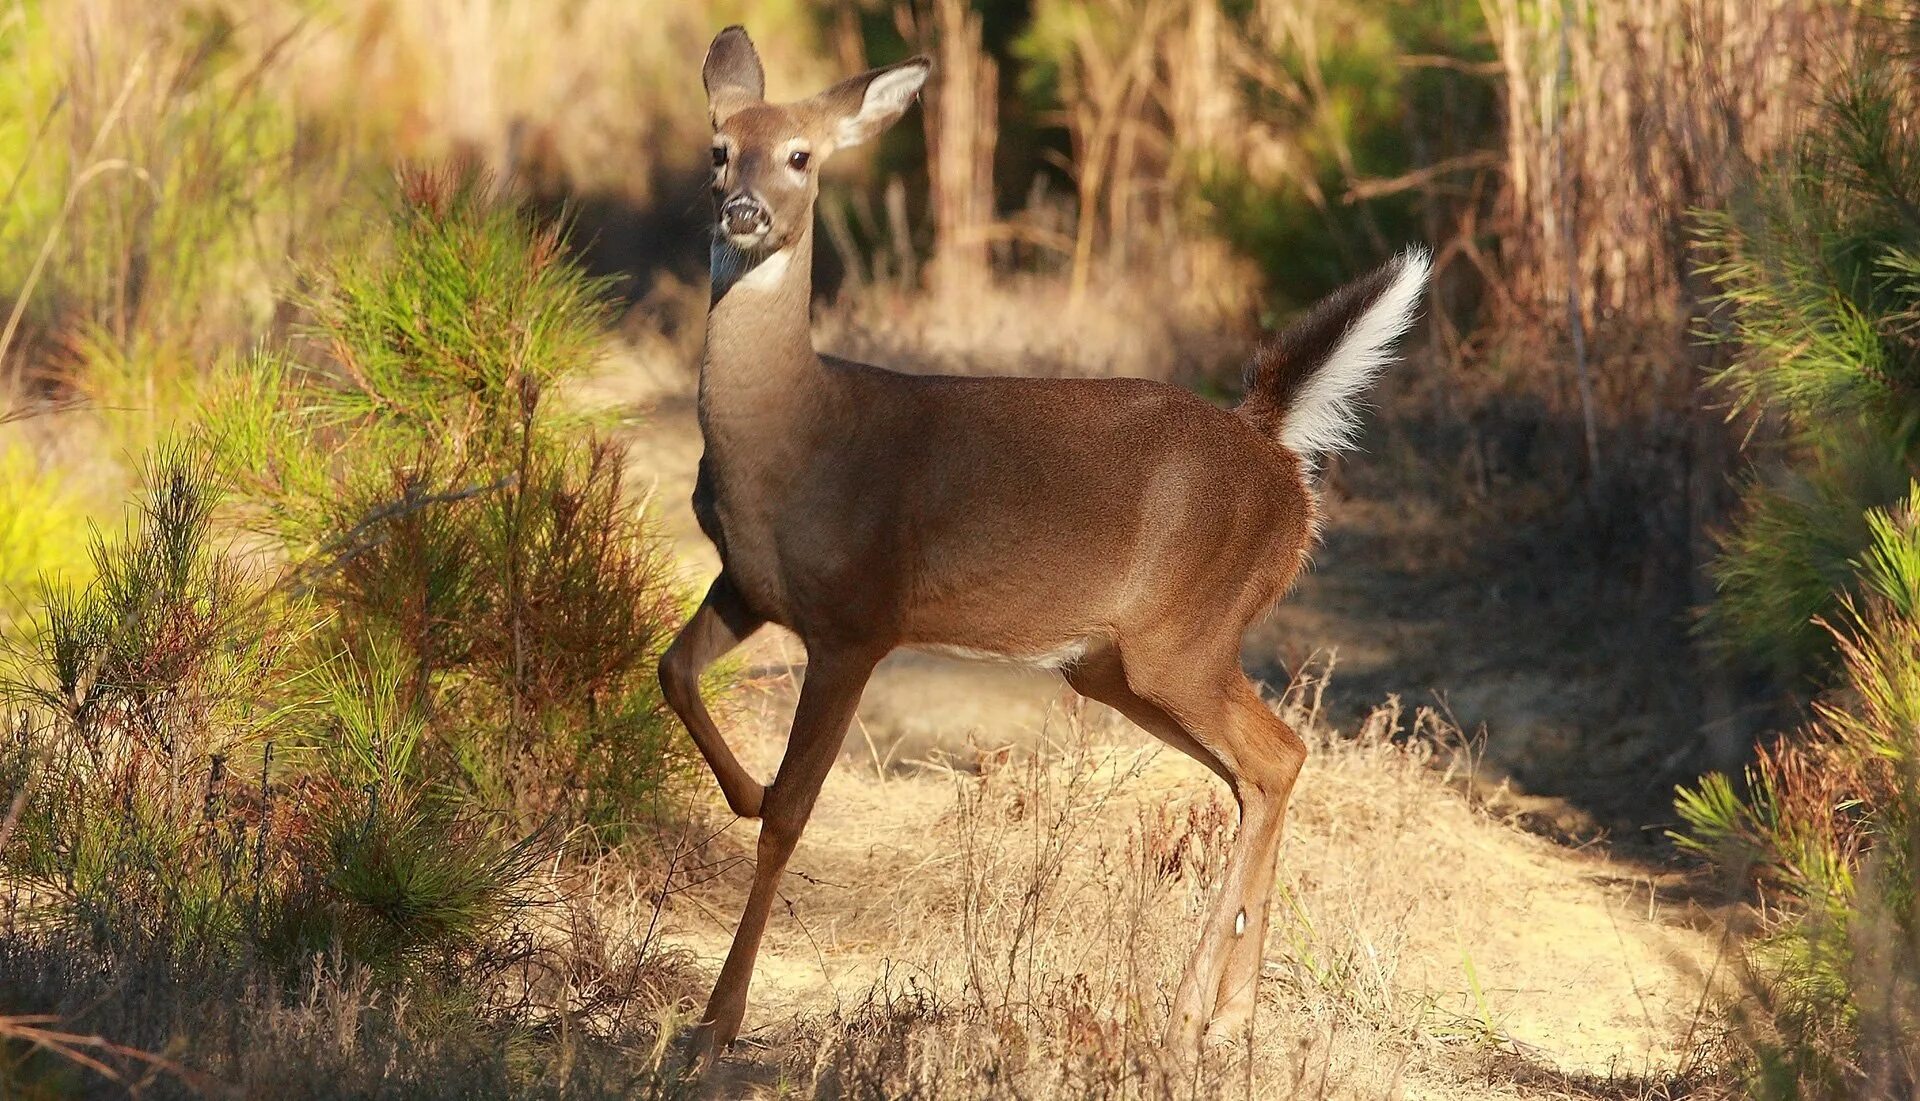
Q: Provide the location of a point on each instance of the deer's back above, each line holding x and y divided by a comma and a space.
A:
1019, 515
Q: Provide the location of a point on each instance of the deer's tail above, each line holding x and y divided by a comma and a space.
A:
1303, 385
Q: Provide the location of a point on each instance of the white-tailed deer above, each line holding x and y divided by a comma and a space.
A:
1122, 531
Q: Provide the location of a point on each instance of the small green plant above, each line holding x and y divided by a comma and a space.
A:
1819, 272
361, 745
118, 702
186, 797
204, 809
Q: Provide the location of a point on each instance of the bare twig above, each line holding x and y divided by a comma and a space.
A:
87, 1051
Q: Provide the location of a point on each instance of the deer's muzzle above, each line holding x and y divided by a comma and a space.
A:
743, 216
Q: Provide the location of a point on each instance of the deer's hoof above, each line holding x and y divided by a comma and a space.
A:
700, 1048
1182, 1042
1225, 1039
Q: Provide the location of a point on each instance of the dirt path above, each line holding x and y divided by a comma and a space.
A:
1426, 949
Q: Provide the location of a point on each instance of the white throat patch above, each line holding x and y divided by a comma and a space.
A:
768, 272
731, 268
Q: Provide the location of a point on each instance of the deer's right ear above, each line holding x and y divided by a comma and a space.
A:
732, 74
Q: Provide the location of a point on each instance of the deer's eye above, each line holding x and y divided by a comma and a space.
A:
719, 156
798, 160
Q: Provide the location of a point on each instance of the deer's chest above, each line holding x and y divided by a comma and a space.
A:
739, 512
800, 544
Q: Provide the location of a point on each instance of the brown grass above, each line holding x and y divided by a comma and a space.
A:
1009, 922
1027, 325
1623, 117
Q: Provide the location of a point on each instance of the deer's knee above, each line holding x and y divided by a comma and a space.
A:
779, 832
783, 817
679, 679
1289, 749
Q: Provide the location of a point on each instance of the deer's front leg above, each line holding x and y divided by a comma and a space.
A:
828, 697
722, 622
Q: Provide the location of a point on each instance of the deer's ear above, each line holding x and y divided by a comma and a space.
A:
861, 107
732, 74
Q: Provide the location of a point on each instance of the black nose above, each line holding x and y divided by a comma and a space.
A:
744, 217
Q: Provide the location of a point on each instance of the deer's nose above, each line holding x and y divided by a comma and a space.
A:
745, 216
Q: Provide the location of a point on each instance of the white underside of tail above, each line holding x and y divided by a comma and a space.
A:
1323, 416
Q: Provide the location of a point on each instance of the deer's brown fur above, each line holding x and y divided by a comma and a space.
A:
1123, 531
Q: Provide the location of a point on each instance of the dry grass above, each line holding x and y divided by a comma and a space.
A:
601, 97
581, 1004
1010, 923
1029, 325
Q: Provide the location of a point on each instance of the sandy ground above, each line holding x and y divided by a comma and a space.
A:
1481, 959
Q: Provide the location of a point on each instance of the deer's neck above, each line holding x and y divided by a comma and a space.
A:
760, 369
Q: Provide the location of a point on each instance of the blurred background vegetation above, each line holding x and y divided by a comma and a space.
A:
368, 664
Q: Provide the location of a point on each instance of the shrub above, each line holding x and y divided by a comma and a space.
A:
1830, 824
1819, 275
218, 810
469, 527
118, 703
360, 738
184, 800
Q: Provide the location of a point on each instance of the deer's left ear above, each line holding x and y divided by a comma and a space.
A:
864, 105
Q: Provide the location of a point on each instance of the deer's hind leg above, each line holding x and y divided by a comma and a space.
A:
1100, 676
1271, 754
1218, 718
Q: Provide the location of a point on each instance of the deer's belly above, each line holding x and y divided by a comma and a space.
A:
1057, 657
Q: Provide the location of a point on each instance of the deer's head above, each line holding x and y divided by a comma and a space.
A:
767, 156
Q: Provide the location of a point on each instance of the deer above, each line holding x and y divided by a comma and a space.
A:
1122, 531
